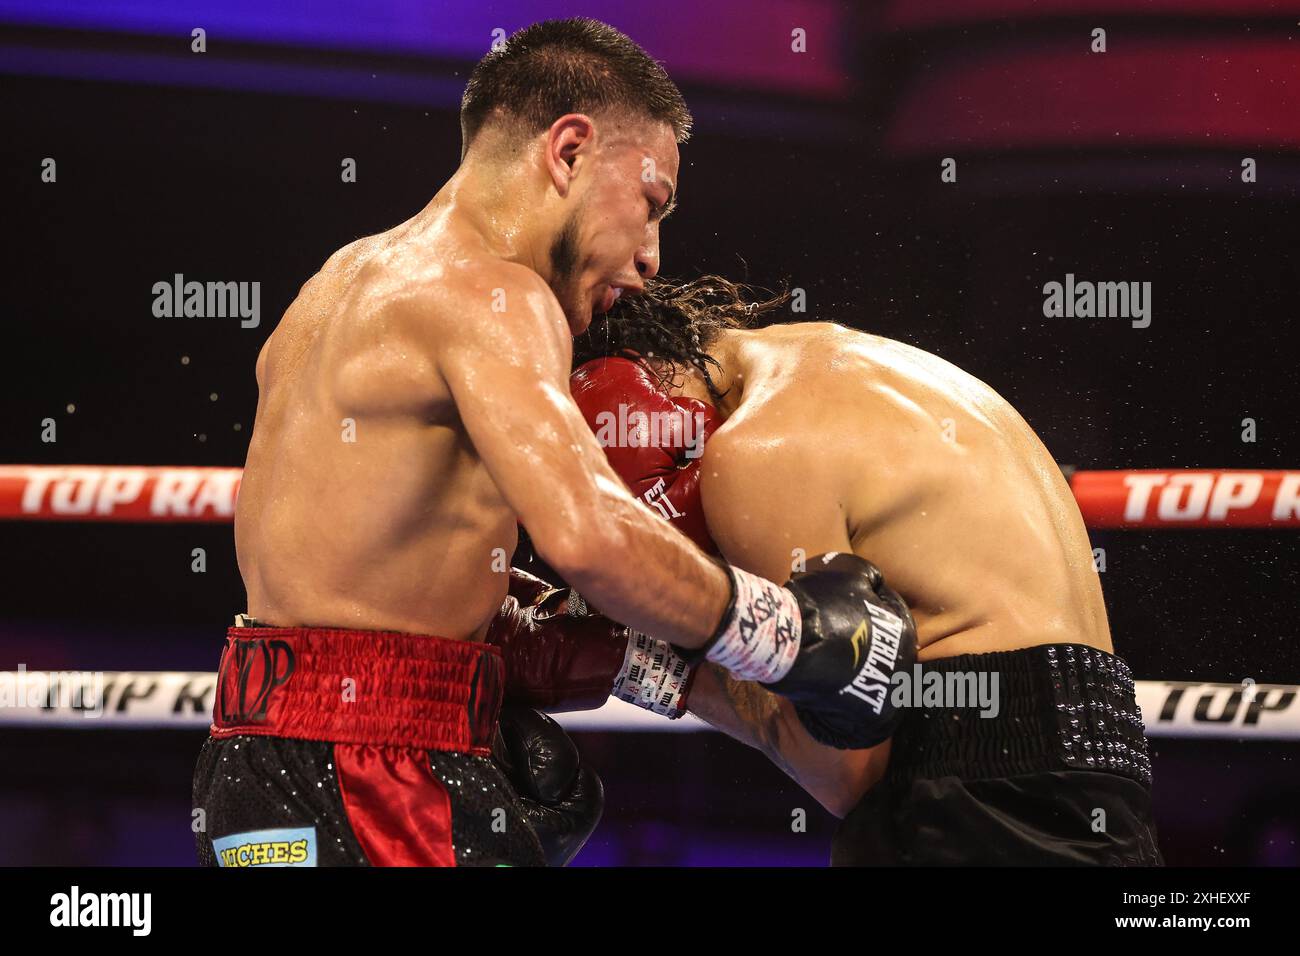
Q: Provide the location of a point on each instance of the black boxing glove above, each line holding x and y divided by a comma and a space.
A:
830, 641
856, 633
561, 797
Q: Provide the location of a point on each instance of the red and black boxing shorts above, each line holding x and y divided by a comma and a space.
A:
354, 748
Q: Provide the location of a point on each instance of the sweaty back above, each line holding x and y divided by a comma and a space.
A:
344, 515
918, 467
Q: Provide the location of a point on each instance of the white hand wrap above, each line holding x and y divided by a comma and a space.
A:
760, 639
653, 676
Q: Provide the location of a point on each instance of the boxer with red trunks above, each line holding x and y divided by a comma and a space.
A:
413, 409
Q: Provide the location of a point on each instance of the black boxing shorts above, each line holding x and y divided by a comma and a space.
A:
1060, 776
354, 748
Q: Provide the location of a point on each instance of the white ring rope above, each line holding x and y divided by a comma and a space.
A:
96, 700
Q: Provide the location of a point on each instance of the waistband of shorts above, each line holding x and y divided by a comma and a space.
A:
359, 687
1060, 707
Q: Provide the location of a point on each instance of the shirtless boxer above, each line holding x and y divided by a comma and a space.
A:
824, 439
413, 407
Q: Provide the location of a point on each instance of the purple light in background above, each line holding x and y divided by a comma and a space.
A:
666, 843
253, 76
734, 43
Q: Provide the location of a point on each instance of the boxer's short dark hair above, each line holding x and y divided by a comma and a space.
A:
568, 66
672, 325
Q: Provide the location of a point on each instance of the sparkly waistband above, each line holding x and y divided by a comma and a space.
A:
1058, 707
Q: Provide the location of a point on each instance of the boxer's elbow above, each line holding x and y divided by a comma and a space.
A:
837, 779
852, 774
826, 778
839, 800
563, 549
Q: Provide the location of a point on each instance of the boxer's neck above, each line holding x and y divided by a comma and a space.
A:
728, 376
495, 201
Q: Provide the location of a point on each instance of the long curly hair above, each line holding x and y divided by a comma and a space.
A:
672, 325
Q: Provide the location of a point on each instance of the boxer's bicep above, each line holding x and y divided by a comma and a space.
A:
508, 376
769, 506
507, 372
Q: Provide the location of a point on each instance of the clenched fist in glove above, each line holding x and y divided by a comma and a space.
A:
856, 633
653, 440
561, 797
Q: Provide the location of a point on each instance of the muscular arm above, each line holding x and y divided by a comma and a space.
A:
508, 372
757, 717
759, 525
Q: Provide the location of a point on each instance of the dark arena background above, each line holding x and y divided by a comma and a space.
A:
920, 168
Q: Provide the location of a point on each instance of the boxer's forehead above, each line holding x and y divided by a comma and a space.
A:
652, 144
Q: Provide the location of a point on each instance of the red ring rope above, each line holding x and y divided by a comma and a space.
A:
1171, 498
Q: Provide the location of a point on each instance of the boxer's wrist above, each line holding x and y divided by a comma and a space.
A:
654, 676
758, 636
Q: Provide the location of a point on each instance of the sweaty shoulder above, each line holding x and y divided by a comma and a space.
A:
507, 295
482, 300
815, 374
417, 313
843, 402
890, 377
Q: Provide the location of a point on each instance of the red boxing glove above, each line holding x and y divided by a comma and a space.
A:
655, 442
561, 656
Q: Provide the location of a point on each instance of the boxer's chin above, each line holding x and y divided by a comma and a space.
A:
577, 309
581, 317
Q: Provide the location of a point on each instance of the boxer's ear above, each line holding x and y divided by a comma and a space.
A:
567, 141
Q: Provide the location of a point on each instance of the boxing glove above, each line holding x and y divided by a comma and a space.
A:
654, 441
855, 634
830, 641
560, 655
561, 797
